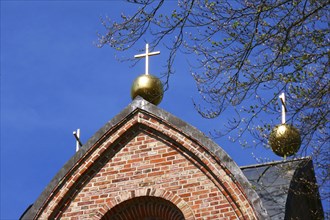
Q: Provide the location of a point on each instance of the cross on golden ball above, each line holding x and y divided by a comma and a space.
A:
285, 140
148, 87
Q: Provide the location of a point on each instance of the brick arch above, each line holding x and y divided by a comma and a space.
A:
193, 151
148, 124
202, 153
174, 206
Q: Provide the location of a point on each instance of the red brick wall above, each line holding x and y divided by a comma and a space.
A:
144, 156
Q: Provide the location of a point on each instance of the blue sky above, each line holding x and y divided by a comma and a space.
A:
55, 80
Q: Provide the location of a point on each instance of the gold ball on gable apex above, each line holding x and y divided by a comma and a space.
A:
284, 140
148, 87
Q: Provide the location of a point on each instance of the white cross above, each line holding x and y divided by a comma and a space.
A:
76, 134
147, 54
284, 110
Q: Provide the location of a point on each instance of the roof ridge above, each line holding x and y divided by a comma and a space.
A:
275, 162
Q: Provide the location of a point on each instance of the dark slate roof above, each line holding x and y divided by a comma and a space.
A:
288, 189
139, 104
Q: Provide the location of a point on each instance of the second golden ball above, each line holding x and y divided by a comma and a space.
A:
285, 140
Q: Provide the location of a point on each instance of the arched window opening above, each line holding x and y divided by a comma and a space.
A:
144, 208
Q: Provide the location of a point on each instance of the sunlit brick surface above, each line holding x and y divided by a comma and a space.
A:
148, 158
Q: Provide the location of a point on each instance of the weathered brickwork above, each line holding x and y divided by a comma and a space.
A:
144, 156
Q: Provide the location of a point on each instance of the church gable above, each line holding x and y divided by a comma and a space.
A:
142, 155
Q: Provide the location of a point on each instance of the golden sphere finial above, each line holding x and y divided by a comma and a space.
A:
284, 140
148, 87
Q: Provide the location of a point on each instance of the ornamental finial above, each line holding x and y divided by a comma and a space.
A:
148, 86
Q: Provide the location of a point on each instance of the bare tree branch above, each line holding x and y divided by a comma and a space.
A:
246, 53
